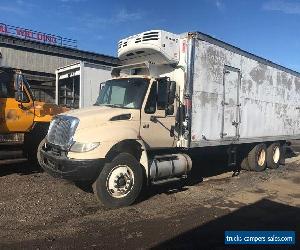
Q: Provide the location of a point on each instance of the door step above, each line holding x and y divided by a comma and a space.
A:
11, 154
12, 161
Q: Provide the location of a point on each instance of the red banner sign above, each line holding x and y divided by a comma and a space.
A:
36, 36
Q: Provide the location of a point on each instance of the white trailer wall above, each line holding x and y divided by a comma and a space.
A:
92, 76
268, 96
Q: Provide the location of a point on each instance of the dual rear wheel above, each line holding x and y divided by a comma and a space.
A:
260, 157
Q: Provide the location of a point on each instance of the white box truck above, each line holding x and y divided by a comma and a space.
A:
175, 95
77, 85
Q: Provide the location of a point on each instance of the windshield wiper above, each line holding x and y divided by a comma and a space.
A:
109, 105
114, 105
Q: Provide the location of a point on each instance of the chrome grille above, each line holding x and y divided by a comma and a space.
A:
61, 131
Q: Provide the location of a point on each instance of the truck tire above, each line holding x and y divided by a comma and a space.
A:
245, 163
32, 141
257, 158
274, 155
38, 154
120, 181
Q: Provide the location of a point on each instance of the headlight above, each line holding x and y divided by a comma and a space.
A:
79, 147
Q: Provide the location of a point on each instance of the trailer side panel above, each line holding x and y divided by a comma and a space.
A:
238, 99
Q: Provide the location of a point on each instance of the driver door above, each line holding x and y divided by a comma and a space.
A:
157, 128
14, 116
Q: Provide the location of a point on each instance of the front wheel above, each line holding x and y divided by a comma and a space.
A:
32, 142
38, 153
120, 181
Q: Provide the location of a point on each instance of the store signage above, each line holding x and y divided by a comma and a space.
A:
36, 36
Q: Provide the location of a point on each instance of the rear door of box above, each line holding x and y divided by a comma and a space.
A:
215, 94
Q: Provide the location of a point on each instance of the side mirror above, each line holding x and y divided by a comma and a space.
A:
102, 85
18, 82
20, 96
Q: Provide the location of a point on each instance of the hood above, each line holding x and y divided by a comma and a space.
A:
95, 116
46, 109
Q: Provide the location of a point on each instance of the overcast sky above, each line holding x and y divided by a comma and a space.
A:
268, 28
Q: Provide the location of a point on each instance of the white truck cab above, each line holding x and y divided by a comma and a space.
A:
110, 143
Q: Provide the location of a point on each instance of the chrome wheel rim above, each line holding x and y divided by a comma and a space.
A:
276, 154
120, 181
261, 157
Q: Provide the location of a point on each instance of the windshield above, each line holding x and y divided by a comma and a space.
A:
124, 93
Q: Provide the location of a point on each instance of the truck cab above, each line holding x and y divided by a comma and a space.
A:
133, 134
13, 116
24, 121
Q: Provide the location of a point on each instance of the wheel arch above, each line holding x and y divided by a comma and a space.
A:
33, 138
41, 125
134, 147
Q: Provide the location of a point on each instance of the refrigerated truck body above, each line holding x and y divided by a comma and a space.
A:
174, 95
238, 97
77, 85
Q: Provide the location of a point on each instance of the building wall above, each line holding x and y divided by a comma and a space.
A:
38, 61
33, 61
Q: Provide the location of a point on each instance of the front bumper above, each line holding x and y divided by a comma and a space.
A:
58, 165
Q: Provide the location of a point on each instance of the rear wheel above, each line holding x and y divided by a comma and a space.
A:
274, 155
257, 158
245, 164
120, 181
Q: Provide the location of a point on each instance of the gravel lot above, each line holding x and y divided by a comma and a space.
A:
40, 212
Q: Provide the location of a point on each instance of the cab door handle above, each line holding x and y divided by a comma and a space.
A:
146, 126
